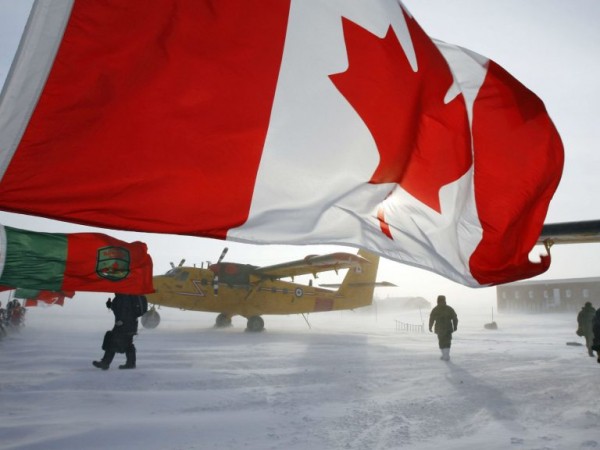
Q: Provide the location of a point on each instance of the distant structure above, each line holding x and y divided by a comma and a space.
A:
546, 296
396, 304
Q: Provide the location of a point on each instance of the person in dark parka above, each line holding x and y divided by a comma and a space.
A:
585, 327
445, 320
120, 339
596, 328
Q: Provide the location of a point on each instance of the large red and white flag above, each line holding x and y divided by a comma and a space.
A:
296, 122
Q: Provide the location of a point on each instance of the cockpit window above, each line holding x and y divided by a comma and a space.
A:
178, 273
171, 272
182, 276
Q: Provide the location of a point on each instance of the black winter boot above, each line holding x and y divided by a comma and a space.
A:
100, 365
130, 355
104, 363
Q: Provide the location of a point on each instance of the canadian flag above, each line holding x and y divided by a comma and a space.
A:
296, 122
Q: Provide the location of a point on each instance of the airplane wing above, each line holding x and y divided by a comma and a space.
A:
376, 284
311, 264
571, 232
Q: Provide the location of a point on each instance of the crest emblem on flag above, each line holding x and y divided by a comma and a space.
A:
113, 263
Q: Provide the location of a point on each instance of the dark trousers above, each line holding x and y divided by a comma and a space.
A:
445, 339
117, 342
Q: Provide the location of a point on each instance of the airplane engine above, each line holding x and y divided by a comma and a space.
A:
151, 319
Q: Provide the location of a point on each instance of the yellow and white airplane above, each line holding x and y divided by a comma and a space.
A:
231, 289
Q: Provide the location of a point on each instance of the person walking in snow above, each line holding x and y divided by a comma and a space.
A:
2, 320
444, 321
585, 326
127, 309
596, 328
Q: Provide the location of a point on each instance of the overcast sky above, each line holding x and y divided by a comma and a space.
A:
551, 46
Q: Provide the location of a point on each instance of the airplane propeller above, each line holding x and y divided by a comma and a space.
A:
216, 278
223, 253
180, 263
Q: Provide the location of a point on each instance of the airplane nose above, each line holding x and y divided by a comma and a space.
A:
159, 284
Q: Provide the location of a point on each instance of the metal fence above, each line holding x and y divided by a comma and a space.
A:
409, 327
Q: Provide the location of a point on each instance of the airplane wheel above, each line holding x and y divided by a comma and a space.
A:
151, 319
255, 324
223, 320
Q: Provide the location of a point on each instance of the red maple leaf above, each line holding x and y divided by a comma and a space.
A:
423, 142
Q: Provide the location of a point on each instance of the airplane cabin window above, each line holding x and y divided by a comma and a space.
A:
182, 276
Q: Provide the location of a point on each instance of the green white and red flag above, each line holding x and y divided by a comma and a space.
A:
279, 121
34, 297
73, 262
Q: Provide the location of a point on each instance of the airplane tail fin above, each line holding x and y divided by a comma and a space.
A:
359, 283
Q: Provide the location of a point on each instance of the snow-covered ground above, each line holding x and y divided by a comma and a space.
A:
351, 381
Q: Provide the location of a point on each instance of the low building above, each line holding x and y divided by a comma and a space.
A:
548, 295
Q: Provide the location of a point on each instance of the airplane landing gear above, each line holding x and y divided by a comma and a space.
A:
255, 324
223, 321
151, 319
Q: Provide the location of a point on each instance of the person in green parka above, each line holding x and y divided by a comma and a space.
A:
445, 320
596, 328
585, 327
